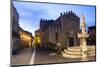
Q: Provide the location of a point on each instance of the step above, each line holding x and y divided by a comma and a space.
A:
90, 55
74, 49
92, 47
77, 53
90, 52
66, 55
70, 56
72, 52
78, 49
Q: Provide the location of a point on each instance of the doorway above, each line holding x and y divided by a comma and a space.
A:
71, 41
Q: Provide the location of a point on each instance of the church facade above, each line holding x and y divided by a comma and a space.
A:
63, 30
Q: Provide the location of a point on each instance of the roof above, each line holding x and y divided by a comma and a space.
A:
92, 27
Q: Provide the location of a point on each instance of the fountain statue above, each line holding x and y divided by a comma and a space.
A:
83, 39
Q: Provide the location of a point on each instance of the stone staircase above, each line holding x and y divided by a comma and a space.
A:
75, 52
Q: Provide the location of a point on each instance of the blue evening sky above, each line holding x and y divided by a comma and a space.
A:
30, 13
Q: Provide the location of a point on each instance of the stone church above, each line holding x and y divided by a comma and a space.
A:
63, 30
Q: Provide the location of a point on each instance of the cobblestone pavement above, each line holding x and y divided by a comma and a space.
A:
23, 57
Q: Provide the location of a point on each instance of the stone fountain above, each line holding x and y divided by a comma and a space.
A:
83, 39
83, 51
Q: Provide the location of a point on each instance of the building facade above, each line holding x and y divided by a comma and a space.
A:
63, 30
26, 38
92, 35
20, 38
15, 40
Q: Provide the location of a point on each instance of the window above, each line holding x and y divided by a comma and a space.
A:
56, 36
